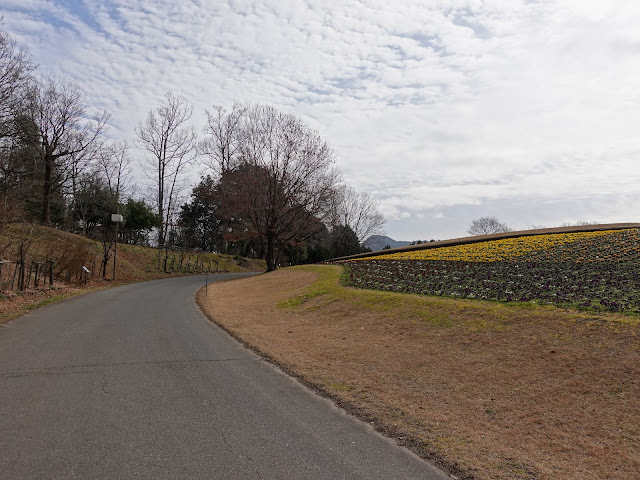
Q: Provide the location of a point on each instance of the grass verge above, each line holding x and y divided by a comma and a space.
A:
487, 390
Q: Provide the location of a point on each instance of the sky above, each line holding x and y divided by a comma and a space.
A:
444, 111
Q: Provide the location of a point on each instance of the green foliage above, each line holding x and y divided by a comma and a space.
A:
139, 219
326, 284
200, 219
345, 242
340, 242
93, 203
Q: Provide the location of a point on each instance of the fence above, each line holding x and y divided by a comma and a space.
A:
21, 275
192, 260
183, 263
27, 263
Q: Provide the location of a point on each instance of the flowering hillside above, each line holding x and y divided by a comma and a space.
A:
591, 270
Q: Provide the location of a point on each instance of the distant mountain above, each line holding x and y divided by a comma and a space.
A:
378, 242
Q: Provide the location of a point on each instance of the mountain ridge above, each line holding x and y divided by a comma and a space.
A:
378, 242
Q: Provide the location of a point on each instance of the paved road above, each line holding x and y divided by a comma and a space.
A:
134, 382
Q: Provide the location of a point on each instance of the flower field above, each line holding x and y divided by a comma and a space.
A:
589, 270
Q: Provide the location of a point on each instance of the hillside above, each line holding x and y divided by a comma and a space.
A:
594, 268
48, 251
378, 242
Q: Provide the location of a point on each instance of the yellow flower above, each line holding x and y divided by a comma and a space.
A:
497, 250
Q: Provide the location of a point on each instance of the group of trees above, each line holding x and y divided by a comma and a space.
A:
57, 166
489, 225
273, 191
270, 188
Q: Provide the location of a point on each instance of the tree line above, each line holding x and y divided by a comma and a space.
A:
269, 186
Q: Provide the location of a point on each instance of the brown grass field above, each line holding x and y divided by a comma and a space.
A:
486, 390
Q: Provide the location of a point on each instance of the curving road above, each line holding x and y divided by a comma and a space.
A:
134, 382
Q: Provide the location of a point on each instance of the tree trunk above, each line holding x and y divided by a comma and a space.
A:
269, 253
223, 239
161, 232
46, 191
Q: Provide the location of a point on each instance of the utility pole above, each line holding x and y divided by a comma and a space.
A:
117, 219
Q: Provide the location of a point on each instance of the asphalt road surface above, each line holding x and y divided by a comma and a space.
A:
134, 382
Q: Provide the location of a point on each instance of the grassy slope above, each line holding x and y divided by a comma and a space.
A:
490, 390
70, 252
592, 271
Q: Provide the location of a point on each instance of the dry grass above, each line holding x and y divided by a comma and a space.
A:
14, 304
489, 390
70, 252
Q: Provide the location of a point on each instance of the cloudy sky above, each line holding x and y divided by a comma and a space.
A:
444, 111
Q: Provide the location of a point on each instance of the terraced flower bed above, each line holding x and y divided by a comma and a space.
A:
596, 271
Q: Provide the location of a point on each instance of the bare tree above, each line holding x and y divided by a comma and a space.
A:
166, 135
64, 131
580, 223
222, 137
487, 226
15, 77
84, 199
81, 165
284, 184
114, 163
221, 147
359, 211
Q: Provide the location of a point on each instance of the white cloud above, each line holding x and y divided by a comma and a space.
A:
458, 105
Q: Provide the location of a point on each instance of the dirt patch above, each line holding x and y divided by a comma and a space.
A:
14, 304
488, 390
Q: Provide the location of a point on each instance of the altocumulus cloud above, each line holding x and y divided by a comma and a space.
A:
444, 112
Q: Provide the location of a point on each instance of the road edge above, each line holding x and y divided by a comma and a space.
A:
400, 438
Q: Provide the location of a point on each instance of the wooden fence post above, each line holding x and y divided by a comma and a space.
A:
21, 276
35, 280
15, 272
43, 273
